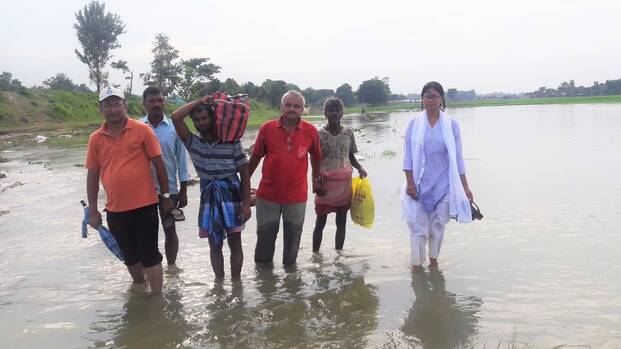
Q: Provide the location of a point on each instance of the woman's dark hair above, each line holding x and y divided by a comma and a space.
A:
333, 102
436, 86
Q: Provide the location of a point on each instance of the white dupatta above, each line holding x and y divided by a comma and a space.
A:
459, 205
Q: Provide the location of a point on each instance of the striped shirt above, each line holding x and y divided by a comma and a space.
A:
215, 160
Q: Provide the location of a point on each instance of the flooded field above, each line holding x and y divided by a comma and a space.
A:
542, 268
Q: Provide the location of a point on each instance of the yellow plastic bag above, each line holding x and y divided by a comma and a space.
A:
362, 205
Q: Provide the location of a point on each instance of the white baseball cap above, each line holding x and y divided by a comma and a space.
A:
110, 91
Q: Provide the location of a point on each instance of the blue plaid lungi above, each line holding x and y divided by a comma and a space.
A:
220, 208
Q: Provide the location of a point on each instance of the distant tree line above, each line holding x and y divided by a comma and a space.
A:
194, 77
98, 31
569, 89
453, 94
8, 83
61, 81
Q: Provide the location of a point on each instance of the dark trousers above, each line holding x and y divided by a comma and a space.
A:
268, 223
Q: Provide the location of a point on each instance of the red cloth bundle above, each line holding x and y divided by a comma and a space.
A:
232, 114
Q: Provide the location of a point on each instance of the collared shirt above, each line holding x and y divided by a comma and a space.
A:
285, 166
173, 154
215, 160
124, 163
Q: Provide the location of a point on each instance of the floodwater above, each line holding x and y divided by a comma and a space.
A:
542, 269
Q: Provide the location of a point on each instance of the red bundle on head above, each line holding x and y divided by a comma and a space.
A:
232, 114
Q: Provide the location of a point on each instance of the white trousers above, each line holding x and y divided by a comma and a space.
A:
428, 228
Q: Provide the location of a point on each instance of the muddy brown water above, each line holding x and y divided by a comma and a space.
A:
542, 268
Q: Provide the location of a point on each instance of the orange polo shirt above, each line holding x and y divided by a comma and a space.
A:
285, 166
125, 165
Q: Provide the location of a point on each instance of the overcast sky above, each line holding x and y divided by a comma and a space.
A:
489, 46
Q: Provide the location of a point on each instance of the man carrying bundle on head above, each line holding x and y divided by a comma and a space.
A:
225, 200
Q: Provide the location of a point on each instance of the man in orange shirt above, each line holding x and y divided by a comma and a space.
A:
120, 152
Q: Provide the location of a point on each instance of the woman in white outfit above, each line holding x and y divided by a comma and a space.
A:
436, 187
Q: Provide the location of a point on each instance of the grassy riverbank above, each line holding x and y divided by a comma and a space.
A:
37, 110
73, 115
493, 102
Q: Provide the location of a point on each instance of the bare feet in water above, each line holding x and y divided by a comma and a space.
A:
417, 269
433, 264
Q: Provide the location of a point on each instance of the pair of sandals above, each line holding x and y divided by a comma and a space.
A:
177, 214
476, 211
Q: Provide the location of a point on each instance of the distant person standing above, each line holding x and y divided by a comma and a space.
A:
120, 153
175, 159
285, 144
436, 187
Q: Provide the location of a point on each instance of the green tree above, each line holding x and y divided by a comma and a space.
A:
83, 88
8, 83
129, 75
60, 82
397, 97
273, 91
317, 97
310, 94
196, 73
373, 92
253, 91
386, 81
451, 94
291, 86
97, 33
212, 86
322, 95
346, 94
231, 87
165, 71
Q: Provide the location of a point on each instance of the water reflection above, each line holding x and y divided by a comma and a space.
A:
145, 321
151, 322
343, 312
224, 319
440, 319
328, 304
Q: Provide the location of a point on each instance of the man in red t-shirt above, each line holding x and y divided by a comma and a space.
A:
121, 152
285, 143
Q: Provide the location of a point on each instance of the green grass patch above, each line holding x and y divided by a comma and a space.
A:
26, 93
3, 107
54, 112
491, 102
72, 106
18, 112
260, 113
537, 101
34, 110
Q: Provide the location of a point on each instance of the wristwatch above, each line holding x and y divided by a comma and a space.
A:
166, 195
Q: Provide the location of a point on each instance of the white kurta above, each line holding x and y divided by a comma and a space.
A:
427, 226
